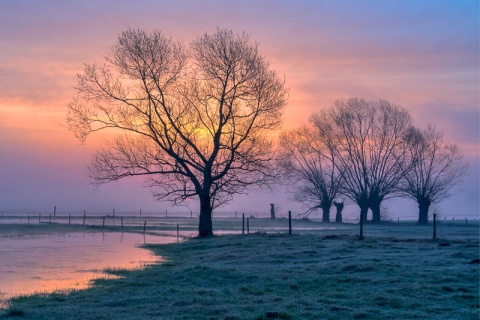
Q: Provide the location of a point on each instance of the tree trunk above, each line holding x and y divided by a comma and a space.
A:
363, 212
326, 212
339, 206
364, 203
375, 207
205, 228
374, 203
272, 211
423, 206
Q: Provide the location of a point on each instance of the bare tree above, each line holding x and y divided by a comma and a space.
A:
369, 139
196, 121
339, 206
309, 165
437, 168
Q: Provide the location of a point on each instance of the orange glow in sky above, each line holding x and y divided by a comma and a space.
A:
421, 55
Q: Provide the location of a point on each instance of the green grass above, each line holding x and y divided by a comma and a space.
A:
290, 277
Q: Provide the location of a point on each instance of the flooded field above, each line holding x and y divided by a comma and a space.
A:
48, 257
33, 261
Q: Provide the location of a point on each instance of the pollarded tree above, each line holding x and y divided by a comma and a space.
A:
339, 206
195, 121
308, 163
370, 141
437, 168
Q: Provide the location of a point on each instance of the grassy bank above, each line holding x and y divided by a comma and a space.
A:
292, 277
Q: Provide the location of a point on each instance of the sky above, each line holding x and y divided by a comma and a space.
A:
421, 55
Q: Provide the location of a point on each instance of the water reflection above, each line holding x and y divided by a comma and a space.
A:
51, 262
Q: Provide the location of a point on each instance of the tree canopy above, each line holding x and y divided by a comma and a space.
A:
369, 140
195, 121
437, 167
369, 151
307, 162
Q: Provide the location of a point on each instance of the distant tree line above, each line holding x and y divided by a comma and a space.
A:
367, 152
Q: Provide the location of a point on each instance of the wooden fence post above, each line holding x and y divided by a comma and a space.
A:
248, 225
289, 222
243, 223
361, 227
144, 227
178, 232
103, 222
83, 217
54, 210
434, 226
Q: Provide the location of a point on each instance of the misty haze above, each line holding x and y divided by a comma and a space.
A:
240, 160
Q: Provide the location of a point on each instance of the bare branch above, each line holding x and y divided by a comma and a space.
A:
194, 121
368, 141
436, 169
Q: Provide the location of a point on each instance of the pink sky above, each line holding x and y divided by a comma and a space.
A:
422, 55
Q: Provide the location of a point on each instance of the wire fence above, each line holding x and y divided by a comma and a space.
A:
132, 217
184, 224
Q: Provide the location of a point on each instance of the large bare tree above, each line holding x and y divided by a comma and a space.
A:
437, 168
308, 164
195, 120
370, 141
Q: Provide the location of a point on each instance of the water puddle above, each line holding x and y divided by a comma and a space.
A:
65, 261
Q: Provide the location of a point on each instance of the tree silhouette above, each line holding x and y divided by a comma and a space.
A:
437, 168
339, 206
196, 121
308, 165
369, 140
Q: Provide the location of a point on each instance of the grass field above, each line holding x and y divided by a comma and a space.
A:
303, 276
